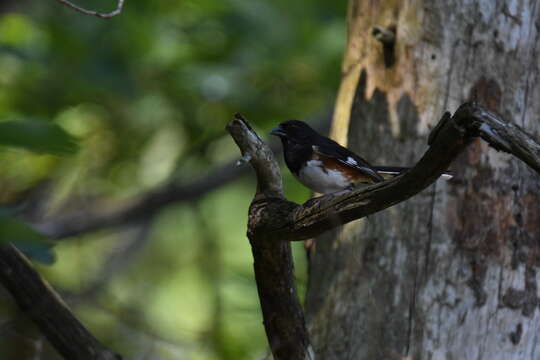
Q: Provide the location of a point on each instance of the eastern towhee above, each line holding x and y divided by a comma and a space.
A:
324, 166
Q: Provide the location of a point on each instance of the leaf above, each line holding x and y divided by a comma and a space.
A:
42, 253
38, 136
26, 239
12, 230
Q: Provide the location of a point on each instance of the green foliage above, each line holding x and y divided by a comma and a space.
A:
38, 136
26, 239
147, 95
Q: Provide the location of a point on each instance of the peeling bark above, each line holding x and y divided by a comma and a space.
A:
451, 273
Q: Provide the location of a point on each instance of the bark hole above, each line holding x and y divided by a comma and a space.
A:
515, 336
387, 37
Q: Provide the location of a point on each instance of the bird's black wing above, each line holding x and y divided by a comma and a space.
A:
328, 148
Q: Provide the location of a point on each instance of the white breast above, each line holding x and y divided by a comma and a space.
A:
318, 180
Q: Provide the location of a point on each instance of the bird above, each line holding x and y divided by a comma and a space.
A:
324, 166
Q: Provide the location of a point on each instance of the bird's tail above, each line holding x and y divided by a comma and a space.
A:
388, 172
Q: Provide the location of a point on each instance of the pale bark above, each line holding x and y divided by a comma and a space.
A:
451, 273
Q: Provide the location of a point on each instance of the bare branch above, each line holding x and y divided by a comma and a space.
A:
283, 316
506, 137
122, 256
47, 310
101, 214
119, 7
260, 156
273, 221
447, 141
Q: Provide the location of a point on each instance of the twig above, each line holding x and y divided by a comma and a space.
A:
47, 310
119, 7
136, 238
100, 214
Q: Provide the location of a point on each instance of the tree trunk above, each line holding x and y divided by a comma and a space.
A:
451, 273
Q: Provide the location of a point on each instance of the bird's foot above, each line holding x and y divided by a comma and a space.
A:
313, 201
329, 196
349, 188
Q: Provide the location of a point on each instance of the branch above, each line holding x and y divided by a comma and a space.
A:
506, 137
47, 310
119, 7
447, 140
260, 156
283, 316
121, 257
101, 214
273, 221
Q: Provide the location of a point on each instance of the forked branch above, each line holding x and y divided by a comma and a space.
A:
283, 316
274, 221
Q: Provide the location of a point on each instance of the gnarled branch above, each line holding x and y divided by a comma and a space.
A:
283, 316
273, 221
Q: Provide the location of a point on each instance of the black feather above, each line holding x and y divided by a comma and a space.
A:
301, 142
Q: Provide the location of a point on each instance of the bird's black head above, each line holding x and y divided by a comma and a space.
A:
294, 130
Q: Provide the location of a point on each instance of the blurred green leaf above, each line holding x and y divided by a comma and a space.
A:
42, 253
31, 243
15, 230
37, 136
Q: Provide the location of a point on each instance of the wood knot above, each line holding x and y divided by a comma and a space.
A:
486, 92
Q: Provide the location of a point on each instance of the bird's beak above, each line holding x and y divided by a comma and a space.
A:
278, 131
